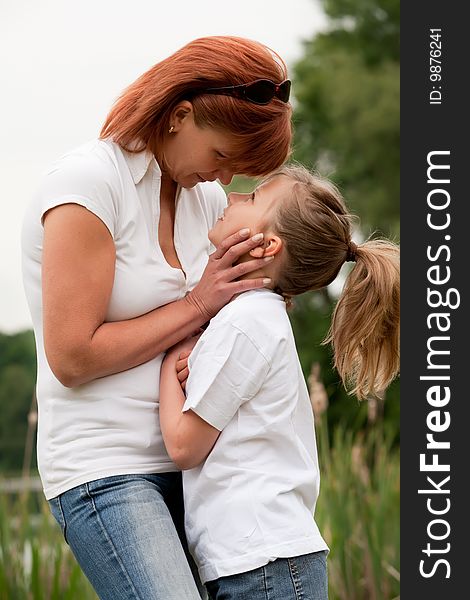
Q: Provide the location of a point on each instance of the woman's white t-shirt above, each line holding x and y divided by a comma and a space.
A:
254, 497
110, 426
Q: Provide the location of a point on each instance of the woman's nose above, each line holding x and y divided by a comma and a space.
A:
225, 177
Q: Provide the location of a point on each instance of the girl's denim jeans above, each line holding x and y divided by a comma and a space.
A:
127, 534
301, 577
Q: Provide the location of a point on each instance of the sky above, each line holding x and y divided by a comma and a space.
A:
65, 62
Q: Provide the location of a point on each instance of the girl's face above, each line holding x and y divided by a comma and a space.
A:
253, 210
193, 154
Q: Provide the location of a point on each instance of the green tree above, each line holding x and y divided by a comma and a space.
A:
347, 114
17, 381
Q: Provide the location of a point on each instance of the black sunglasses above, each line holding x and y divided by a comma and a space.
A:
261, 91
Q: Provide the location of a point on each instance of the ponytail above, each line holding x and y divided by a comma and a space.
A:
315, 227
365, 327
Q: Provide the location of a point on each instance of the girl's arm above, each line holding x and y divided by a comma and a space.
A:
188, 438
78, 276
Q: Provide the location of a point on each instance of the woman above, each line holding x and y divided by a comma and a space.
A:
114, 257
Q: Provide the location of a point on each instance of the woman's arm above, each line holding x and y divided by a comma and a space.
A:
188, 438
78, 275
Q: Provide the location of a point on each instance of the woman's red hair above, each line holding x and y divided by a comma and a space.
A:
261, 134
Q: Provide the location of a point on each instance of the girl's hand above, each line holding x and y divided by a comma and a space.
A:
182, 369
179, 354
219, 282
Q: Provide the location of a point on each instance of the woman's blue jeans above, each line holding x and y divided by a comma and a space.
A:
127, 534
301, 577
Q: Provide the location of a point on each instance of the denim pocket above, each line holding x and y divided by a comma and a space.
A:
309, 575
58, 514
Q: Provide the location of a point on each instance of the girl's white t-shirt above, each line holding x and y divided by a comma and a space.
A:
254, 497
110, 426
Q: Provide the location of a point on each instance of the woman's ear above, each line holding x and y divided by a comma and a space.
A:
179, 114
271, 246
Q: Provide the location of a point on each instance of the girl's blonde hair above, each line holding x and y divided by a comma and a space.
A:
261, 134
316, 228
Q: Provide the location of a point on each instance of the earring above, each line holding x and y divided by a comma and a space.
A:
172, 128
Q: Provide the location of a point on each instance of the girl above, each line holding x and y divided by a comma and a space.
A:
245, 430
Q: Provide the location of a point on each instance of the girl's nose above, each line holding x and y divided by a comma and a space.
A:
234, 197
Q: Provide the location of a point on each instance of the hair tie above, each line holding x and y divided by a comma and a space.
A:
286, 297
351, 252
288, 300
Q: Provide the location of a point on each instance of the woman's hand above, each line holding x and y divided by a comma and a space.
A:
220, 280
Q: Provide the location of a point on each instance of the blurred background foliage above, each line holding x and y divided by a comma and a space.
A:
346, 124
17, 381
347, 114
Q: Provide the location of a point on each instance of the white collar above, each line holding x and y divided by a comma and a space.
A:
138, 163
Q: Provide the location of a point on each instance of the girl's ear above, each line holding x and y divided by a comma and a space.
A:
271, 246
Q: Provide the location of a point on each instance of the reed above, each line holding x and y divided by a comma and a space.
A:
358, 512
35, 562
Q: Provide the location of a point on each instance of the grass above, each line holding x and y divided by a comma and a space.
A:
35, 562
357, 513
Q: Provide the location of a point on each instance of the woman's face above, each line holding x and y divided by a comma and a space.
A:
193, 154
253, 210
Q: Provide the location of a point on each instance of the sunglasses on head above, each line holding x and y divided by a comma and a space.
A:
261, 91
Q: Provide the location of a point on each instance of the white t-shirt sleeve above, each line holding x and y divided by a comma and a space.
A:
225, 370
81, 180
